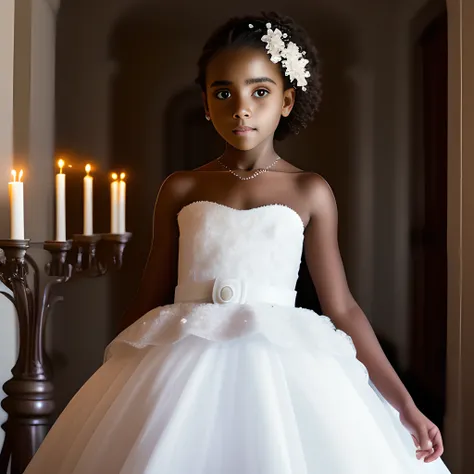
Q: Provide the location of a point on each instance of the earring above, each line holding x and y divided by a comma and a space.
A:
207, 117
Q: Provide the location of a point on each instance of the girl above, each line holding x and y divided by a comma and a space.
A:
216, 371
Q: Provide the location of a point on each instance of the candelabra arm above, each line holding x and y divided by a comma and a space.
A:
87, 260
116, 244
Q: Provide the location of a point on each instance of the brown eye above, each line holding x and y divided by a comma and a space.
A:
222, 95
261, 93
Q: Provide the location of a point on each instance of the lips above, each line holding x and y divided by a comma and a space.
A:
243, 130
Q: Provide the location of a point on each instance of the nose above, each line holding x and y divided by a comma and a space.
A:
242, 111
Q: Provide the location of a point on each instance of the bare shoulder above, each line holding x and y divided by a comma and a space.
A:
182, 182
178, 188
317, 193
209, 166
175, 189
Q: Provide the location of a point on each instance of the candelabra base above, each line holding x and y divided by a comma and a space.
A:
30, 392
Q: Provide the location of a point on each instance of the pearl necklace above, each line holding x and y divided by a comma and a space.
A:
254, 175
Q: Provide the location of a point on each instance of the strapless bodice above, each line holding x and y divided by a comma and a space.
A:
261, 245
258, 250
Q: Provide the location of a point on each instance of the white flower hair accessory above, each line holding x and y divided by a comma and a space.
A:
290, 55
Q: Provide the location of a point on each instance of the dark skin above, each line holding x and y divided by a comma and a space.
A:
244, 88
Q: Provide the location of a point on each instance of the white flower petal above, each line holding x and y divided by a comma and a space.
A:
290, 55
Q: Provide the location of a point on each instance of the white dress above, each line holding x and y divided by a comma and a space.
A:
231, 378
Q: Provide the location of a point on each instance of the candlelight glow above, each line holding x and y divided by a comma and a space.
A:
61, 165
14, 176
122, 176
88, 168
114, 176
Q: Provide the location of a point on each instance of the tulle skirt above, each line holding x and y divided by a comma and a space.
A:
207, 389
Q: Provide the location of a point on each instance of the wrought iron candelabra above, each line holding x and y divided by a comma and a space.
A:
30, 392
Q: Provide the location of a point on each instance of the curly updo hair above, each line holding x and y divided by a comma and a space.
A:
236, 33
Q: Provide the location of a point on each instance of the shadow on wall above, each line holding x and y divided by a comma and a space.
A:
190, 140
158, 128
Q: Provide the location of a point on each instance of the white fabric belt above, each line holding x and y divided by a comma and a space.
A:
233, 290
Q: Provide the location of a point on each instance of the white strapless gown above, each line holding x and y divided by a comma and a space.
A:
235, 381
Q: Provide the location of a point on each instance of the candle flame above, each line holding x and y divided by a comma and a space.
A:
114, 176
88, 169
61, 165
122, 176
14, 175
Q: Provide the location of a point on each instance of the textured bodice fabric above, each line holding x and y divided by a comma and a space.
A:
263, 244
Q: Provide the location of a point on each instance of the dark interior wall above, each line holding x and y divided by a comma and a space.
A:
125, 96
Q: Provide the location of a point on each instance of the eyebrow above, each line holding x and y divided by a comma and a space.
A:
253, 80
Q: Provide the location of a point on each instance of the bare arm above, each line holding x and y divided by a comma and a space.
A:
327, 272
160, 275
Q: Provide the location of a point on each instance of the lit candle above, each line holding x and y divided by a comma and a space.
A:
114, 204
121, 207
88, 184
61, 203
17, 222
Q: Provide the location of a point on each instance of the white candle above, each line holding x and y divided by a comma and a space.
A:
17, 221
122, 200
114, 205
61, 203
88, 185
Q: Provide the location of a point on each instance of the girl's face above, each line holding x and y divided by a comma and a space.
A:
245, 96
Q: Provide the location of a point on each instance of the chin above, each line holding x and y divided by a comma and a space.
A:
243, 146
242, 143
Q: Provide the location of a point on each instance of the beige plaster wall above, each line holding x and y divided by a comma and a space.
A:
8, 326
